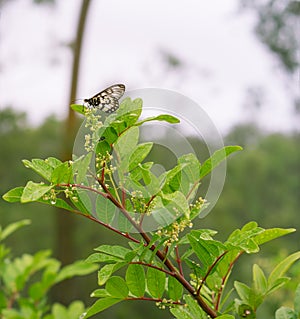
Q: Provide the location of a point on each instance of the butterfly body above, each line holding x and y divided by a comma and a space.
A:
108, 99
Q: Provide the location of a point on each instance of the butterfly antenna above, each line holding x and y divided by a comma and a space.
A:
73, 101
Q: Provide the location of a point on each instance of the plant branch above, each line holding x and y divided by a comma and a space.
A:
178, 260
152, 266
225, 278
167, 262
12, 299
84, 187
155, 300
210, 270
94, 219
162, 257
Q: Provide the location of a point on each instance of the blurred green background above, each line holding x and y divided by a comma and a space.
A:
262, 184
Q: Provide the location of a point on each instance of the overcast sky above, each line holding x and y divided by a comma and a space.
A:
222, 58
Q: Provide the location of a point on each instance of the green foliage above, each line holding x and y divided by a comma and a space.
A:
252, 297
288, 313
26, 280
184, 270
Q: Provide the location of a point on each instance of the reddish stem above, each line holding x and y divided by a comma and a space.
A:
225, 278
147, 240
210, 270
152, 266
178, 260
154, 299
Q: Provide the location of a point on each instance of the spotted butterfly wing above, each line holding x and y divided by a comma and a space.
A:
108, 99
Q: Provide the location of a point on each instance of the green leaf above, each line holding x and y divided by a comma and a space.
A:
181, 312
259, 280
203, 251
101, 305
100, 258
139, 154
78, 268
194, 308
60, 203
130, 111
34, 191
270, 234
100, 293
172, 179
11, 228
103, 147
225, 317
175, 289
170, 209
79, 108
280, 282
195, 312
80, 167
163, 117
124, 224
117, 287
127, 142
115, 251
59, 311
190, 174
286, 313
42, 167
243, 291
297, 299
75, 309
244, 238
37, 291
104, 273
53, 162
282, 268
62, 174
107, 270
156, 281
143, 180
14, 195
105, 210
83, 201
217, 158
135, 279
107, 134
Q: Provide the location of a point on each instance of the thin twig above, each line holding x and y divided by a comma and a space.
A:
210, 270
225, 278
152, 266
178, 259
162, 256
155, 300
94, 219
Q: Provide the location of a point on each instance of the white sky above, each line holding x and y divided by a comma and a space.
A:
123, 42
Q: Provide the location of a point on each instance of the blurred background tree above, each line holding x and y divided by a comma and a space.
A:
277, 27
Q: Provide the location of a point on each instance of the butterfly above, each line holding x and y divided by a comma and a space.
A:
108, 99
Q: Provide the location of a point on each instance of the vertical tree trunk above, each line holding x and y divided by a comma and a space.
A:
65, 223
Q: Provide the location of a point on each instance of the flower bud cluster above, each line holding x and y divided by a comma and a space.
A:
164, 303
70, 192
51, 195
138, 202
104, 162
92, 119
198, 204
174, 230
93, 123
195, 281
